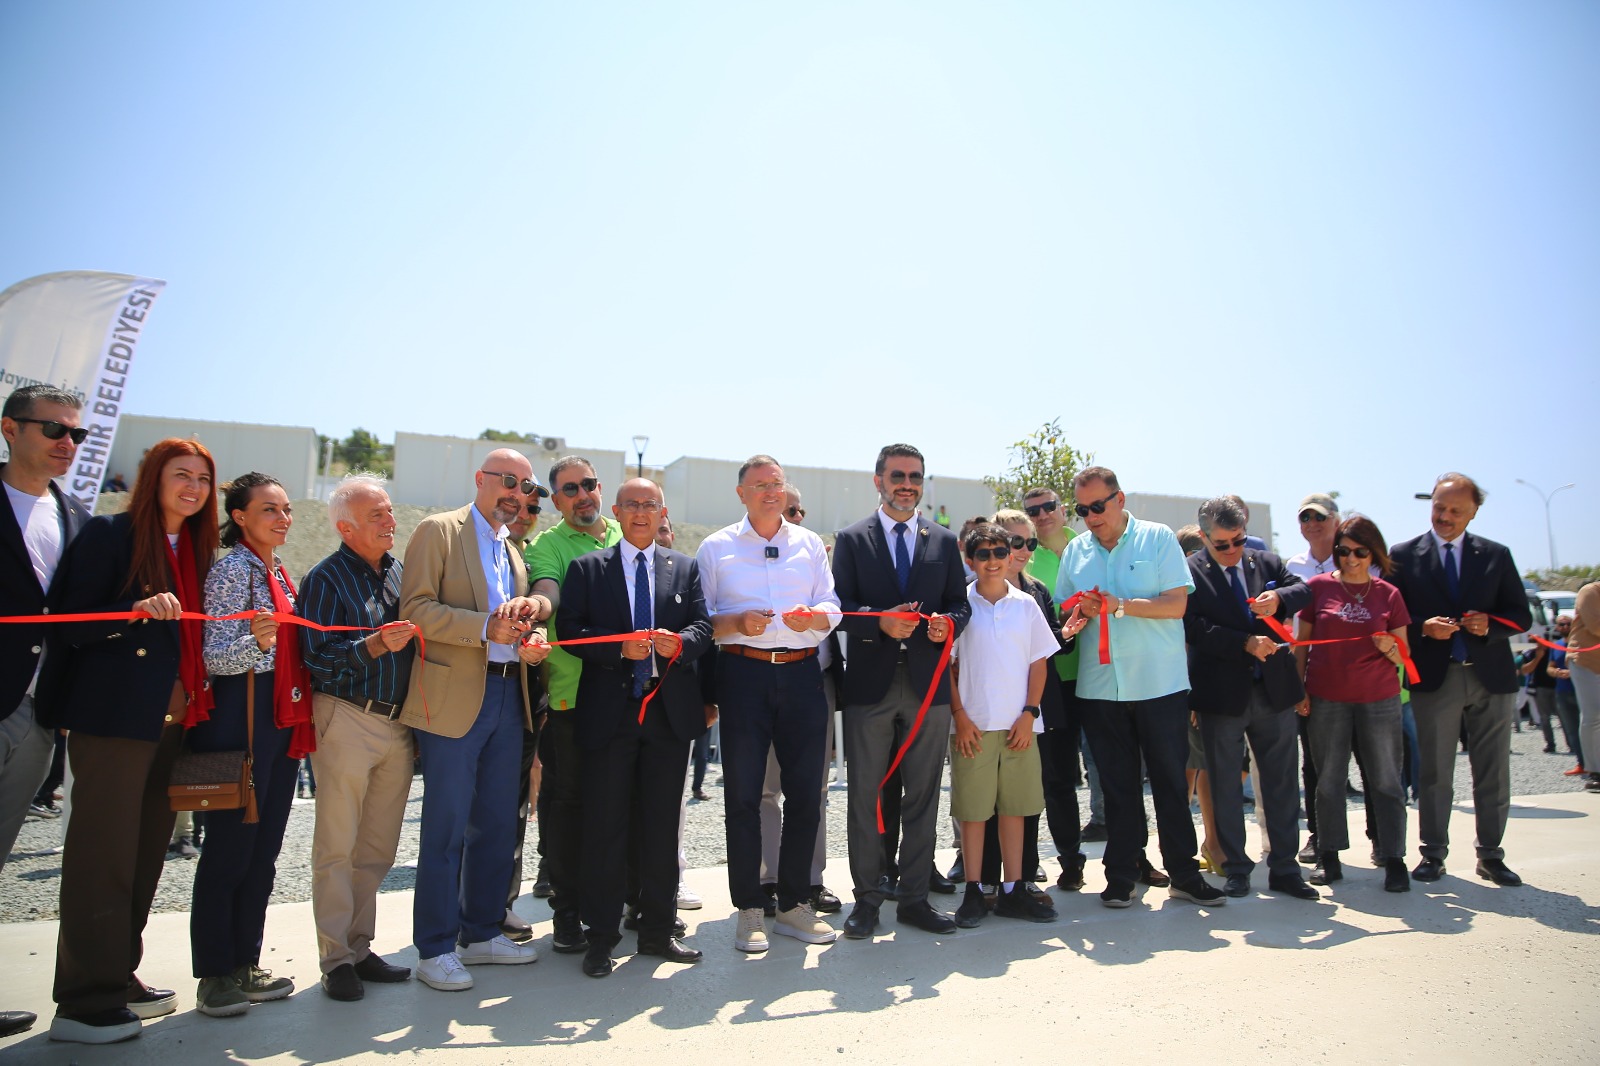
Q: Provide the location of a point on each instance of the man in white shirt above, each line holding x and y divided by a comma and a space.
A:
37, 521
770, 595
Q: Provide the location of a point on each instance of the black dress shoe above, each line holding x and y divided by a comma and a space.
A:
889, 886
1071, 878
1395, 878
569, 937
922, 915
1308, 854
938, 882
1429, 870
342, 984
1328, 870
597, 961
1497, 871
958, 871
13, 1022
1237, 885
862, 923
1290, 886
672, 949
543, 889
1149, 875
631, 923
823, 901
375, 968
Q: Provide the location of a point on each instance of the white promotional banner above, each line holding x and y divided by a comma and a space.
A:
78, 330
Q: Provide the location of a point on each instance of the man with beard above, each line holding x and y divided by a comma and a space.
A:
895, 561
577, 494
462, 589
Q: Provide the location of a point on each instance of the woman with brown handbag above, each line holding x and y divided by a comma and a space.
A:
259, 681
126, 691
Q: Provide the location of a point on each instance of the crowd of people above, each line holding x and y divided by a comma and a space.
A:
594, 657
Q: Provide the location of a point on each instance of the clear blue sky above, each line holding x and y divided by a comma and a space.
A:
1261, 248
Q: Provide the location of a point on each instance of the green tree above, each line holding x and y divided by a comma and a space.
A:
1564, 577
360, 450
509, 436
1043, 458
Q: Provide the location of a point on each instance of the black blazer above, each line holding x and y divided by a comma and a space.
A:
1489, 583
20, 594
1216, 626
864, 578
109, 679
594, 602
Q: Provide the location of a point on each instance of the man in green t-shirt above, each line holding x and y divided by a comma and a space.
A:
576, 492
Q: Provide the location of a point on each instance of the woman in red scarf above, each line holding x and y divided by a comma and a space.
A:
127, 691
233, 881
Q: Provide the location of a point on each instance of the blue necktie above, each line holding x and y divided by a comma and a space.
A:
1244, 604
902, 558
641, 620
1452, 578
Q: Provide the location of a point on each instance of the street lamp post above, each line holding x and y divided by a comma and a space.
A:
1549, 530
639, 442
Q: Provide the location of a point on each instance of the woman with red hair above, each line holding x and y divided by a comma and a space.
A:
127, 691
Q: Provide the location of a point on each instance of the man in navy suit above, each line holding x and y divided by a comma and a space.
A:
1244, 684
896, 560
1452, 582
37, 521
633, 769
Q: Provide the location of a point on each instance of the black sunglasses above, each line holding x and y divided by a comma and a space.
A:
1020, 542
1312, 516
1034, 510
983, 555
1236, 542
1342, 551
795, 513
55, 430
511, 481
533, 509
588, 484
897, 476
1097, 507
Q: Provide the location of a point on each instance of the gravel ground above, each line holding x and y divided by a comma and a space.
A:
30, 882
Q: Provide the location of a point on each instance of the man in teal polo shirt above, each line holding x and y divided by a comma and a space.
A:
1138, 703
583, 528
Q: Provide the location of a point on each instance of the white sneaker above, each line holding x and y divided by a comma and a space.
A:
802, 923
752, 934
501, 951
687, 900
444, 972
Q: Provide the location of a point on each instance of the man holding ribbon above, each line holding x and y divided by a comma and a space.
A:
1133, 681
641, 712
772, 602
468, 706
1466, 603
897, 562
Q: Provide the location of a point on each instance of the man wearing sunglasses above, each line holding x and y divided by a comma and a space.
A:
584, 528
1136, 705
1452, 581
37, 521
897, 560
1244, 685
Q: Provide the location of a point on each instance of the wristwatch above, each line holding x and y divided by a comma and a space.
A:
1122, 608
1033, 709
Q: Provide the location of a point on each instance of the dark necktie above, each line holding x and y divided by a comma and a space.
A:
902, 558
1452, 579
1244, 604
641, 621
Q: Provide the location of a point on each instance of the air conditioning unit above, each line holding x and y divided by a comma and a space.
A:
555, 444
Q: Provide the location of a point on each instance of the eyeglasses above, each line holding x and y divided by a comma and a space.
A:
895, 477
511, 481
1018, 543
795, 513
55, 430
1097, 507
588, 484
764, 487
1309, 515
983, 555
1228, 545
1341, 551
640, 506
1034, 510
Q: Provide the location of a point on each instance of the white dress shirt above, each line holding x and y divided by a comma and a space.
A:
737, 575
630, 555
497, 577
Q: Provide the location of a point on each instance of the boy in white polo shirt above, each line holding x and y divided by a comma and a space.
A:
1002, 658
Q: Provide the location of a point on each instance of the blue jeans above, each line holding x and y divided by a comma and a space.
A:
469, 833
1334, 727
1411, 769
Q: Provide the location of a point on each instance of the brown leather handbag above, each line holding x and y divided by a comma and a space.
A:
219, 780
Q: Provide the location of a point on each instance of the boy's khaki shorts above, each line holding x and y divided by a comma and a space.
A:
996, 780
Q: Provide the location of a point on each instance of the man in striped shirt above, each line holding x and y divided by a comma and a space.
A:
363, 759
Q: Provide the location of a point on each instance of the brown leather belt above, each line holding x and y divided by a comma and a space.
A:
769, 655
505, 669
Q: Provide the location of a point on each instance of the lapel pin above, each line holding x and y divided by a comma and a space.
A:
923, 531
677, 597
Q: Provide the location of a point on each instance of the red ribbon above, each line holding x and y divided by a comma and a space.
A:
1551, 644
1289, 638
1071, 603
618, 638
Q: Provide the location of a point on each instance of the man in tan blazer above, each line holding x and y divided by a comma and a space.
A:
468, 705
